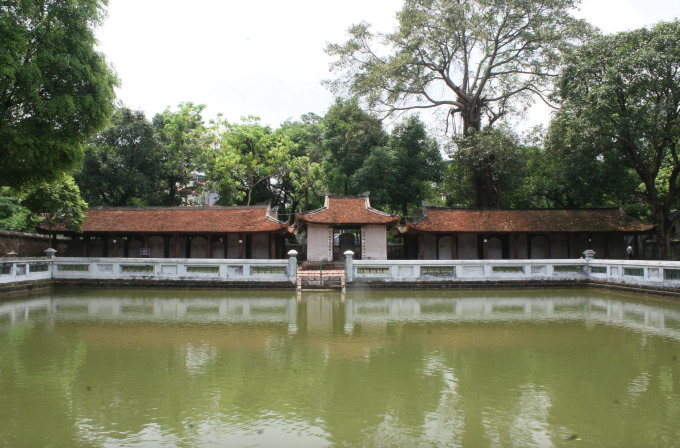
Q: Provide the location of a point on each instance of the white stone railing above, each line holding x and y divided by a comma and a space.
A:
652, 274
179, 269
16, 270
663, 274
433, 271
149, 269
636, 273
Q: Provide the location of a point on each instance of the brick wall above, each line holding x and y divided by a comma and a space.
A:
28, 244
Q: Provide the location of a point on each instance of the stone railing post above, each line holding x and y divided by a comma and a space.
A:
292, 266
589, 254
349, 266
49, 253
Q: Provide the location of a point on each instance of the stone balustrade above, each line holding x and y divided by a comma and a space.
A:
246, 272
660, 275
655, 275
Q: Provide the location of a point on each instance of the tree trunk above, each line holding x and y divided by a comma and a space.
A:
662, 237
486, 188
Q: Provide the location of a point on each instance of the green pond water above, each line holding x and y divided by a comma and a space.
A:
187, 368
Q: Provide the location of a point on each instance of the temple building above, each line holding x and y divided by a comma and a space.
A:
450, 234
181, 232
346, 223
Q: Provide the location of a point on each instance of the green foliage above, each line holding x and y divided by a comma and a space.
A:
124, 163
14, 216
303, 183
473, 57
185, 141
621, 100
57, 203
249, 155
403, 173
56, 90
480, 59
580, 169
506, 163
350, 135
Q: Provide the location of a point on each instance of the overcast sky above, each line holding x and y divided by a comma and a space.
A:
265, 57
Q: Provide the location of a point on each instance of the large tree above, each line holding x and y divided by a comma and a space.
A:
184, 138
250, 156
56, 90
621, 99
502, 156
303, 183
124, 163
404, 172
350, 135
56, 204
480, 59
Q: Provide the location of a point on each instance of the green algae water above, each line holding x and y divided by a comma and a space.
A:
182, 368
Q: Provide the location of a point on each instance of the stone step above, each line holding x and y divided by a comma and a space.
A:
319, 265
325, 278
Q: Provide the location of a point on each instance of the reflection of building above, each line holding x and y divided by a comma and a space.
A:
364, 318
451, 234
355, 221
182, 232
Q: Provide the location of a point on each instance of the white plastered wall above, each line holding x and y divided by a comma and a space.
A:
374, 243
319, 242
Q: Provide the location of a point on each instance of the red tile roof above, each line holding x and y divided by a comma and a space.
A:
447, 220
170, 220
341, 211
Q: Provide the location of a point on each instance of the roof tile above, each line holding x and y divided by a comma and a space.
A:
346, 211
211, 220
440, 219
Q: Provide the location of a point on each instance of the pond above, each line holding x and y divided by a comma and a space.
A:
196, 368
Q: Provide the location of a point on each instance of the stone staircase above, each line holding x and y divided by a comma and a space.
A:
321, 275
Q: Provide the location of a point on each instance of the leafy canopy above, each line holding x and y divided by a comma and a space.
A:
56, 90
124, 163
621, 99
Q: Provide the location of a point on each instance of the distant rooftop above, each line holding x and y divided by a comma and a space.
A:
170, 220
450, 220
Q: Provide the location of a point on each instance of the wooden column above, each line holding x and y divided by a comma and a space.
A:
546, 245
607, 239
454, 246
225, 238
166, 246
241, 245
115, 246
529, 238
272, 246
485, 247
176, 237
568, 238
86, 246
209, 240
421, 246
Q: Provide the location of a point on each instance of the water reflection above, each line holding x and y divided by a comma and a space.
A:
324, 310
407, 368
